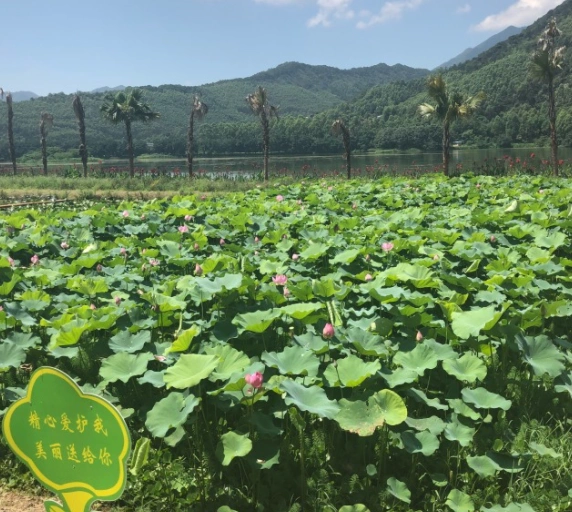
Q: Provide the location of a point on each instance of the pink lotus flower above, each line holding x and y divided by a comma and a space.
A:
196, 247
11, 261
99, 267
117, 301
188, 218
161, 359
35, 259
183, 229
123, 251
92, 307
368, 277
198, 270
329, 331
295, 257
279, 198
493, 239
64, 245
387, 246
221, 241
254, 379
419, 337
153, 262
125, 214
256, 239
354, 206
280, 279
286, 292
478, 185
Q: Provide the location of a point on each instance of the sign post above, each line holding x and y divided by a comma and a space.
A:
75, 444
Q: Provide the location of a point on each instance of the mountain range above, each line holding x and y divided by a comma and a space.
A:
313, 77
379, 103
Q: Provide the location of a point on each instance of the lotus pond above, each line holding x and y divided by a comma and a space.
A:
391, 345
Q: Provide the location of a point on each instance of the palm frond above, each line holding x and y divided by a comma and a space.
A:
426, 110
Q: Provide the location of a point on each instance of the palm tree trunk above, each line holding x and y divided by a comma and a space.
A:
44, 147
190, 141
265, 142
446, 144
552, 120
83, 147
130, 148
11, 133
348, 154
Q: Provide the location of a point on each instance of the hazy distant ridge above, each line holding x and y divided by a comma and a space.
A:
471, 53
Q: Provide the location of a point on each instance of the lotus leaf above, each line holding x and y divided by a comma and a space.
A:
312, 399
232, 445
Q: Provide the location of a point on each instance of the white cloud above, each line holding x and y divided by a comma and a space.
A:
390, 11
329, 9
464, 9
520, 14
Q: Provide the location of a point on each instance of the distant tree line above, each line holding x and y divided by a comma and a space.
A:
385, 117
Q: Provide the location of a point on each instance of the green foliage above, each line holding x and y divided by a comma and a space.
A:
247, 404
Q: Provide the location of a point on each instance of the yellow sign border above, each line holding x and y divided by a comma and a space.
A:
98, 494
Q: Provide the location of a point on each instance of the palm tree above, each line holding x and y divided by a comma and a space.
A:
198, 110
127, 108
80, 116
46, 122
546, 62
258, 103
449, 107
340, 128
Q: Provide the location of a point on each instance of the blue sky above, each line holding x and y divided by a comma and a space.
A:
78, 45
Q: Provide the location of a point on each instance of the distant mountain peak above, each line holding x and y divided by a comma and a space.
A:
22, 95
471, 53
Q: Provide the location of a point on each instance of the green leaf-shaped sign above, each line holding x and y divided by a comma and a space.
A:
75, 444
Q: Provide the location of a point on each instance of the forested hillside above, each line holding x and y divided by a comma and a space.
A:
299, 90
311, 97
